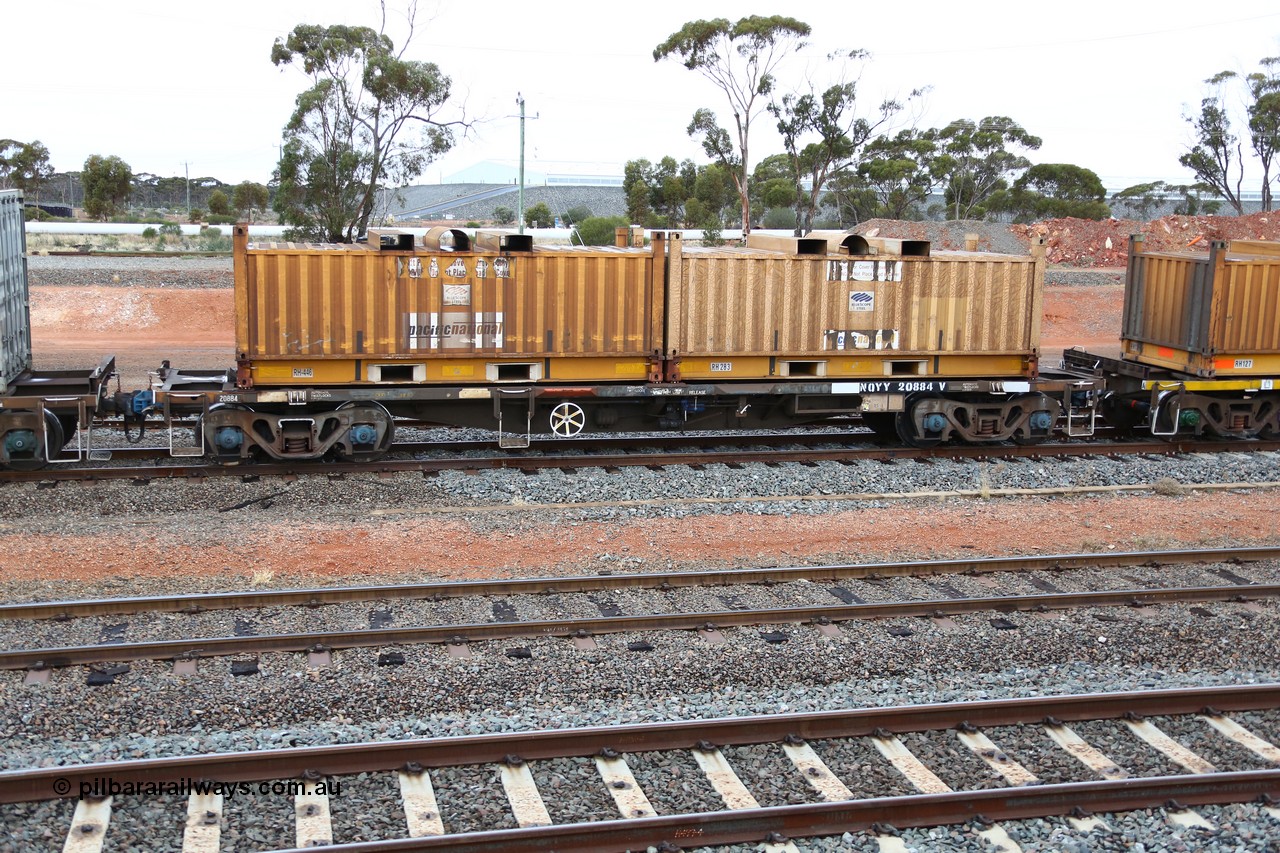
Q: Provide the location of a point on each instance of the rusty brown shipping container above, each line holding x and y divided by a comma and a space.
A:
748, 313
389, 311
1205, 314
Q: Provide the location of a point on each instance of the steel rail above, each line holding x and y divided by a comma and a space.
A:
37, 783
540, 445
318, 596
707, 829
622, 460
188, 648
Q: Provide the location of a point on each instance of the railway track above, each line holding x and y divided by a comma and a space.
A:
874, 772
583, 457
800, 598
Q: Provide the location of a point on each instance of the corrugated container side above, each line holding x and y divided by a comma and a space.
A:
1203, 305
1165, 301
726, 302
306, 301
15, 316
1247, 315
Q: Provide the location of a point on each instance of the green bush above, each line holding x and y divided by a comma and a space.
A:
598, 230
214, 242
149, 232
216, 219
172, 229
779, 218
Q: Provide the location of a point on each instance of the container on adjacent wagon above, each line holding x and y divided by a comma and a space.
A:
15, 317
1205, 314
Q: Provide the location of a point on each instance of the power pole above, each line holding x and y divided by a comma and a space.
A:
520, 194
187, 171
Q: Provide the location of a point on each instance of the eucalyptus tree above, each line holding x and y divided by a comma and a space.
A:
823, 132
739, 59
370, 117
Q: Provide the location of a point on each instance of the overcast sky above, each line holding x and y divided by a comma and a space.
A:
171, 86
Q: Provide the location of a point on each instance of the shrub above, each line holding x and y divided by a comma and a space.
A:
149, 232
214, 242
172, 229
598, 230
779, 218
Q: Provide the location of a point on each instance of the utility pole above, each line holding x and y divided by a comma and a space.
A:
187, 171
520, 194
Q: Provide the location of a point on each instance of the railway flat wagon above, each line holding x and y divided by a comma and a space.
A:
949, 338
39, 410
1200, 342
335, 341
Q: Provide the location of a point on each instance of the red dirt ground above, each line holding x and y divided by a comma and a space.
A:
455, 550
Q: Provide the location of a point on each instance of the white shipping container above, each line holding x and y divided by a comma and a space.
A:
15, 318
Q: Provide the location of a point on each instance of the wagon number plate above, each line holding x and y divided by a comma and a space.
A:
722, 367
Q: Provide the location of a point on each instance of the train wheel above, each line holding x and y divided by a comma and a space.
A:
568, 420
367, 447
39, 456
222, 444
1039, 427
907, 432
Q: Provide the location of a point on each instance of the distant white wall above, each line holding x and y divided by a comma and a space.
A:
188, 230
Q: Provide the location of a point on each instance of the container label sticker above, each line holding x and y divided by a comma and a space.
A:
482, 267
502, 267
839, 339
1268, 384
457, 269
454, 330
433, 268
303, 373
864, 271
415, 268
862, 300
722, 367
1244, 364
457, 294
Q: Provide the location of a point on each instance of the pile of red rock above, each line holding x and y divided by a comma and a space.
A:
1086, 243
